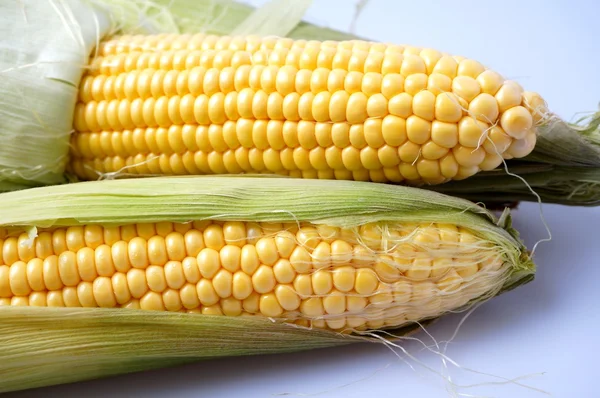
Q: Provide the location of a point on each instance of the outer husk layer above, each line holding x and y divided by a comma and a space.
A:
41, 62
49, 346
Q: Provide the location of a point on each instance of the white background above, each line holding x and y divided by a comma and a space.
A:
547, 329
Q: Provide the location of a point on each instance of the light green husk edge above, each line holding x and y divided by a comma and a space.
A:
564, 167
51, 346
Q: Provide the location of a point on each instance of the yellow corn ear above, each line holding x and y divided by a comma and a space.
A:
350, 110
344, 279
116, 276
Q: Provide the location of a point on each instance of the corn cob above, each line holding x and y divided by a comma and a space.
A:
314, 275
342, 259
203, 104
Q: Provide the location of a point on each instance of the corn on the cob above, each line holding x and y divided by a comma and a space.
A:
39, 104
202, 104
379, 275
198, 267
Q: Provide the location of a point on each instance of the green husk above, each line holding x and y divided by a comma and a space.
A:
246, 198
565, 185
569, 144
50, 346
41, 62
219, 17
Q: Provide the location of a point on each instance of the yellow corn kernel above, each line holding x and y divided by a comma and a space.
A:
472, 132
517, 122
522, 147
484, 107
468, 156
448, 108
536, 105
423, 105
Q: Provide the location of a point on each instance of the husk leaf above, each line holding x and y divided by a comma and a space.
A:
48, 346
220, 17
44, 47
569, 144
567, 185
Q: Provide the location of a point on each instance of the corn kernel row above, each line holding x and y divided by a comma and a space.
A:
431, 141
287, 79
279, 93
334, 150
336, 311
354, 55
284, 80
250, 43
